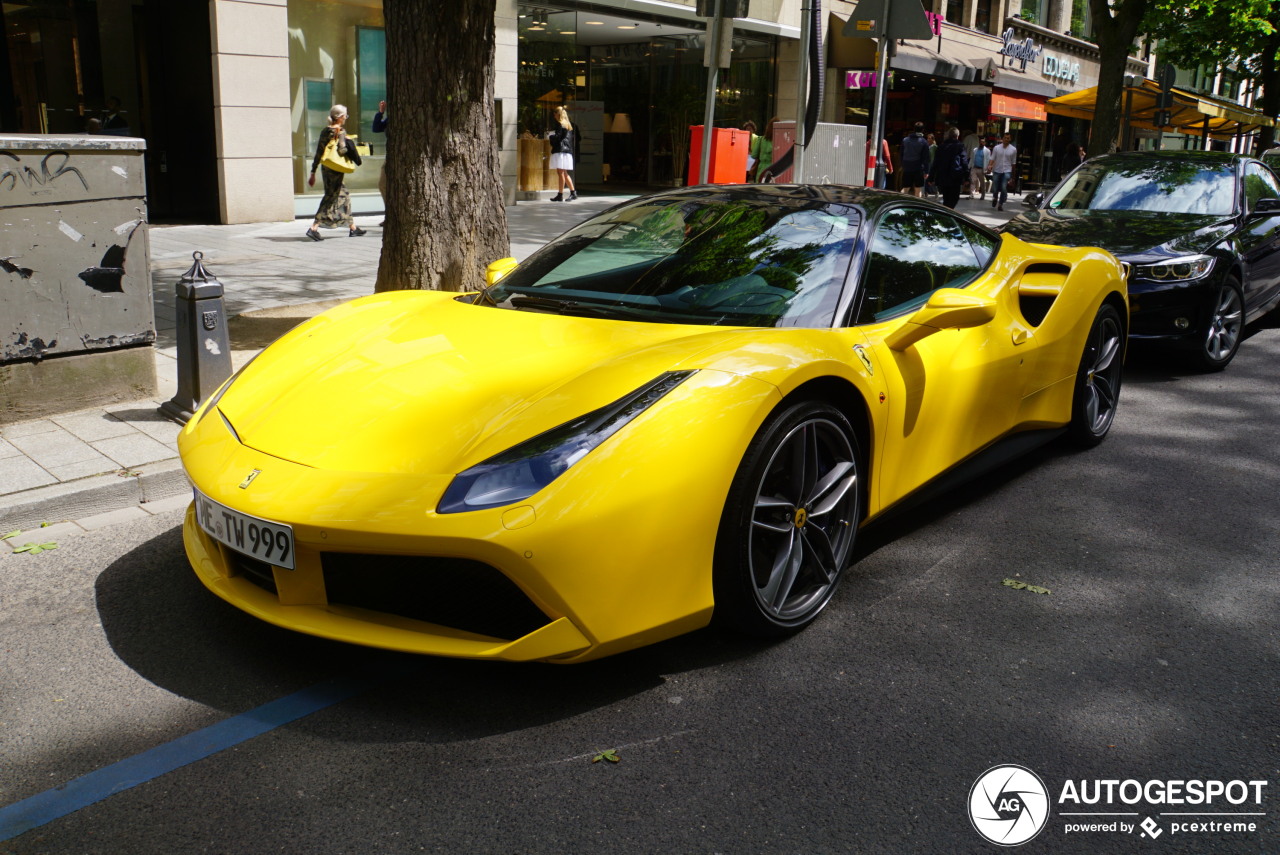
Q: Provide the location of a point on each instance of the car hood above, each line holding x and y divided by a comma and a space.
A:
1123, 233
419, 383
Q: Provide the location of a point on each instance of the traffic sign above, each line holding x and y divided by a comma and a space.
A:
890, 19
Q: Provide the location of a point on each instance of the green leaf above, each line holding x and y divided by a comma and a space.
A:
45, 524
13, 533
36, 548
611, 755
1018, 586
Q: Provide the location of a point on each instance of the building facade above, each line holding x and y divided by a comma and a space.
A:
230, 95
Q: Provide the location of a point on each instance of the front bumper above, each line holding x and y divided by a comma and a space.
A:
1169, 312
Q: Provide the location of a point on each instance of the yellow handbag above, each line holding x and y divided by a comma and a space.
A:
334, 160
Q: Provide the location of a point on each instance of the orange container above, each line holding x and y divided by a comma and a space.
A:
728, 160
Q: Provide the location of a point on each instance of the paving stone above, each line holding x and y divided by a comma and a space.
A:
57, 448
93, 425
7, 450
99, 465
98, 521
48, 534
20, 473
27, 428
134, 450
163, 506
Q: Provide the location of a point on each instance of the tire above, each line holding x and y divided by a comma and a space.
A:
1097, 390
1224, 327
789, 524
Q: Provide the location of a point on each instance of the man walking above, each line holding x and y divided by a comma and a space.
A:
979, 157
1003, 160
915, 159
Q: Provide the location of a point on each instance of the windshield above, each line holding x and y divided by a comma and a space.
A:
1165, 185
716, 258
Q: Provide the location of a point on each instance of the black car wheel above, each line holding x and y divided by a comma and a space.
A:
1093, 407
789, 523
1224, 327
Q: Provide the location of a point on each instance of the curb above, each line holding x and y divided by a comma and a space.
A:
86, 497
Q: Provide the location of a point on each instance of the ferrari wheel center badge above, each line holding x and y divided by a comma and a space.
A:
802, 517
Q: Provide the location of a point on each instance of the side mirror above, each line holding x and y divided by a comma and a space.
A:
1266, 208
1033, 200
948, 308
496, 270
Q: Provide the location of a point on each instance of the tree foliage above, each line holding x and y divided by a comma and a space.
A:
445, 214
1216, 33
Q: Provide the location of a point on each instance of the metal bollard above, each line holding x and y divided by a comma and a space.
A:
204, 347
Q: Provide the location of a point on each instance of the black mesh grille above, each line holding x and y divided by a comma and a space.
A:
253, 570
453, 592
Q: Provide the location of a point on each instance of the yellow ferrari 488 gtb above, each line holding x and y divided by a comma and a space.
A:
680, 410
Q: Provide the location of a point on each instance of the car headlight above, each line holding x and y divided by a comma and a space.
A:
523, 470
1176, 269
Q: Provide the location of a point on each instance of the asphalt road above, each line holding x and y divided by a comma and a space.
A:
1154, 657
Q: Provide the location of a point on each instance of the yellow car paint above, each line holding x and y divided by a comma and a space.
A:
359, 419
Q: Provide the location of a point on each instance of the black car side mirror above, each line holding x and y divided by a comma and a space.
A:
1033, 200
1266, 208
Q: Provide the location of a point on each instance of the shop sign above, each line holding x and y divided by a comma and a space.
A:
1023, 51
1018, 107
860, 80
1061, 68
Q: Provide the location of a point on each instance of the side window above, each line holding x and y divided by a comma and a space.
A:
1259, 183
913, 253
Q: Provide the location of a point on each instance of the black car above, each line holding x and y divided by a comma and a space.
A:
1200, 231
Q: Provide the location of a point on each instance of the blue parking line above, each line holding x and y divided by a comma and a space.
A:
45, 807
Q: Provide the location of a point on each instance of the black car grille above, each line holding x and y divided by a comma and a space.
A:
453, 592
252, 570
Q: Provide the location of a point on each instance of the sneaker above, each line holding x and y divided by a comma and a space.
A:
313, 234
356, 232
559, 197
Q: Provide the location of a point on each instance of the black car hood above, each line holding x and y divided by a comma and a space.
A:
1123, 233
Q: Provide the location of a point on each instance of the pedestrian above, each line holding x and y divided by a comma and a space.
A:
930, 187
750, 127
380, 127
335, 207
562, 140
882, 179
979, 157
1004, 159
950, 167
763, 153
915, 156
113, 119
1073, 158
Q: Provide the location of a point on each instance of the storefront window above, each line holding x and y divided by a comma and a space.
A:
633, 85
337, 55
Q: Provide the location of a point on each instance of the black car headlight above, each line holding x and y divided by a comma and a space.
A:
1175, 269
523, 470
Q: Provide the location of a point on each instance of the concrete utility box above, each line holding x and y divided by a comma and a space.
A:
77, 322
836, 154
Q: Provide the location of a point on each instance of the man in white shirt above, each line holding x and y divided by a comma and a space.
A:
1004, 157
979, 157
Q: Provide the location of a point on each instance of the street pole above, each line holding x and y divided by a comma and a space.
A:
882, 83
802, 88
713, 78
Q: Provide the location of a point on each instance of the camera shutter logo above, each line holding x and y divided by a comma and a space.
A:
1008, 805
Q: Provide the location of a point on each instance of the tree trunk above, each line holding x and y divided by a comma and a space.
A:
1115, 34
445, 214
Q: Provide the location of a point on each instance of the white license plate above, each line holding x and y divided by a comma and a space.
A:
258, 538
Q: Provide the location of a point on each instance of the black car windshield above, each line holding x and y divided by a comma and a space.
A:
1164, 185
714, 258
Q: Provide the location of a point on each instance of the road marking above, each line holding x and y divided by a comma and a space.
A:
20, 817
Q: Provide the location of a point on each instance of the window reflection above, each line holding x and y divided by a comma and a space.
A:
914, 253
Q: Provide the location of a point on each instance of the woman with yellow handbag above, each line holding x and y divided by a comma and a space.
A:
336, 155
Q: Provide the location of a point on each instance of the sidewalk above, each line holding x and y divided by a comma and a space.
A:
82, 470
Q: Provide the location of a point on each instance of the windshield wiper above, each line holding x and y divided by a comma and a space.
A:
560, 307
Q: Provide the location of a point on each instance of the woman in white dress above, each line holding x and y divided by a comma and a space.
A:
562, 142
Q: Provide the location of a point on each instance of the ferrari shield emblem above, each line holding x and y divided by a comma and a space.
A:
248, 479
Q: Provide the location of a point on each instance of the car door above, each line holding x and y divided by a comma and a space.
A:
1259, 241
956, 390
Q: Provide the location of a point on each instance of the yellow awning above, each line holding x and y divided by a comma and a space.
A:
1191, 113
